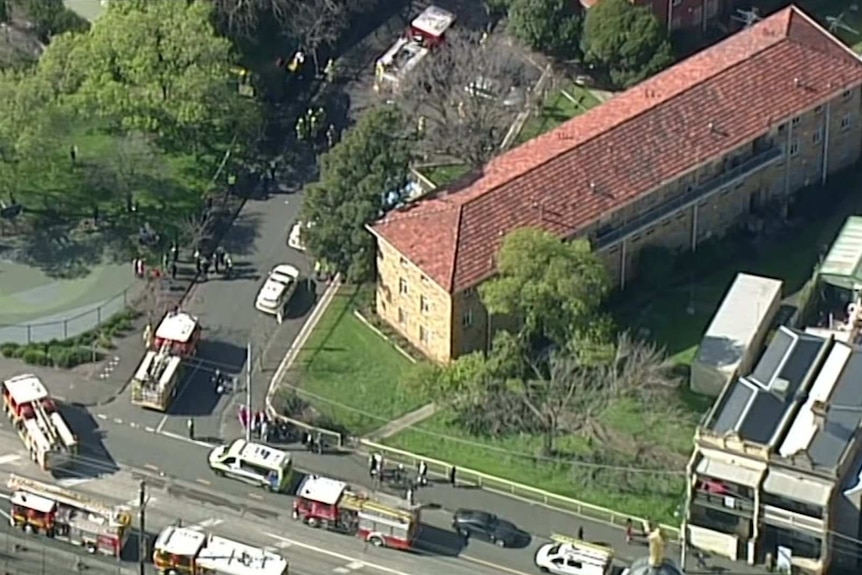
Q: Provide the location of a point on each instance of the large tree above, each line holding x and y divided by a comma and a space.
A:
360, 178
468, 95
550, 26
155, 66
553, 288
626, 41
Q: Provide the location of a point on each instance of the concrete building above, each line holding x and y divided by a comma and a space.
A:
684, 156
776, 465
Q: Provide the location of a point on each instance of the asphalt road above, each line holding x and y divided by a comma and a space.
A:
234, 511
256, 243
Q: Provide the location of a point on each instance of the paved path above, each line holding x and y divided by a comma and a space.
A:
407, 420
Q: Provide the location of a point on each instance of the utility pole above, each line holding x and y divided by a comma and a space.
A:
142, 531
248, 393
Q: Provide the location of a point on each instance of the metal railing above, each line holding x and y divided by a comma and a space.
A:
696, 194
63, 328
519, 490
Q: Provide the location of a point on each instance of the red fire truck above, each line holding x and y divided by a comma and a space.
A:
67, 516
384, 521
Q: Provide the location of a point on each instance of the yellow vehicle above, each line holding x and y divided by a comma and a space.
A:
183, 550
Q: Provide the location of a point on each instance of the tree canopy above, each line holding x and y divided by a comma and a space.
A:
626, 41
553, 288
360, 178
550, 26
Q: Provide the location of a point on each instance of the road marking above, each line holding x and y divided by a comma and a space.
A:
493, 565
282, 544
336, 555
205, 524
151, 467
179, 437
133, 424
102, 416
186, 381
73, 481
355, 565
203, 481
4, 496
150, 429
341, 570
9, 458
118, 421
6, 515
256, 496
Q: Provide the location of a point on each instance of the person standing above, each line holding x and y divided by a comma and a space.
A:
264, 430
423, 473
581, 533
452, 478
372, 465
190, 424
410, 497
629, 531
174, 270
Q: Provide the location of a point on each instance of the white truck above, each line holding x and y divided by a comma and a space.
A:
570, 556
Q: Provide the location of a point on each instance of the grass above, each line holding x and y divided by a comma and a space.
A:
350, 374
564, 104
444, 174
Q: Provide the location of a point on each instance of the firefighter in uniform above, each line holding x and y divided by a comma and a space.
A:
301, 129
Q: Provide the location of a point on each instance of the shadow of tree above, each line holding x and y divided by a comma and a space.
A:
243, 233
60, 252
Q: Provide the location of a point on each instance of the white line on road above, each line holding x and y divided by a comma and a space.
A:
205, 524
203, 481
133, 425
6, 515
341, 570
118, 421
9, 458
179, 437
355, 565
73, 481
151, 467
150, 429
102, 416
256, 496
336, 555
186, 381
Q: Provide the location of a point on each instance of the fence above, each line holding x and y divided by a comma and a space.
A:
59, 327
518, 490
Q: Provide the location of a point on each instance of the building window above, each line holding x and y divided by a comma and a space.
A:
795, 121
424, 304
845, 122
424, 335
794, 147
402, 286
424, 280
818, 110
402, 316
816, 136
467, 318
847, 94
781, 128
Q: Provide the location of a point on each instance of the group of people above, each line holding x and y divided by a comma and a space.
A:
377, 472
309, 127
259, 421
221, 260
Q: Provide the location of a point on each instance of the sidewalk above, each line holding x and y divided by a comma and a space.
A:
537, 519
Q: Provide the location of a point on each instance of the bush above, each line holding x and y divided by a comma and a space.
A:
35, 356
69, 357
10, 349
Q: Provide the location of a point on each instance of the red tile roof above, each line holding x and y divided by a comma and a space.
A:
652, 134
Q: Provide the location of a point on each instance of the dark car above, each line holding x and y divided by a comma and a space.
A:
470, 523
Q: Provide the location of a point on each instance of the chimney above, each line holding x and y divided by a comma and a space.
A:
796, 82
593, 187
711, 127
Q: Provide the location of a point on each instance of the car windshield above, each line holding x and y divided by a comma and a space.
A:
280, 278
485, 519
554, 550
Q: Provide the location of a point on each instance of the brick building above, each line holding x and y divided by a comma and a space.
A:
683, 14
679, 158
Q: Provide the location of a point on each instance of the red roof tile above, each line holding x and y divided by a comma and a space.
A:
700, 109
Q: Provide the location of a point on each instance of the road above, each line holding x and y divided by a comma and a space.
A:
231, 510
256, 242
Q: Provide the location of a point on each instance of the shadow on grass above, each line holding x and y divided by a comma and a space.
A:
347, 308
59, 252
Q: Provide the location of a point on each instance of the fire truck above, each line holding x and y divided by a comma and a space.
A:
384, 521
182, 550
35, 417
156, 380
67, 516
424, 34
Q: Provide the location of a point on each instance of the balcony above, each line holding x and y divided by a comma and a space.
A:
793, 521
698, 193
726, 503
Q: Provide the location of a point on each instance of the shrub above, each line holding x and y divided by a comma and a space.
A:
10, 349
35, 356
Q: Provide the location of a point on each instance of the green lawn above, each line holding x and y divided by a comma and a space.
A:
561, 105
349, 373
444, 174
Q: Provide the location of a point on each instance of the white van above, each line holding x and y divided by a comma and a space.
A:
569, 556
253, 463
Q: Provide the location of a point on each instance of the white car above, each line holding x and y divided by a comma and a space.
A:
566, 559
294, 238
276, 291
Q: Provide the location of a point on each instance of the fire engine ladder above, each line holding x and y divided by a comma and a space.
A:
160, 362
60, 495
385, 511
45, 423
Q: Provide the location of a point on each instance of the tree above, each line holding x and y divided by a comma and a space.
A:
553, 288
468, 95
360, 178
626, 41
550, 26
154, 66
327, 18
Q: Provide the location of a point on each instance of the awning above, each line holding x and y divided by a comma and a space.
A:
797, 487
843, 265
728, 472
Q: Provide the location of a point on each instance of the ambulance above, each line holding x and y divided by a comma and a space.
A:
570, 556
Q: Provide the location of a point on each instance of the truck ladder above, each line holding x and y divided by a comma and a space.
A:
60, 495
45, 423
159, 364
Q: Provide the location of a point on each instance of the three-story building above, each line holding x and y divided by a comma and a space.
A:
682, 157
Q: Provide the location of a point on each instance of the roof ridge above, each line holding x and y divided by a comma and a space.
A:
450, 286
796, 11
404, 212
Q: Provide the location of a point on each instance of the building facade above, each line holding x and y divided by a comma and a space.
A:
776, 468
684, 156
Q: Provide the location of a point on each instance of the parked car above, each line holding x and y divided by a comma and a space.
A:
487, 526
276, 291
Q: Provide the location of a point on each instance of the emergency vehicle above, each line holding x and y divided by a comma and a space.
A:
384, 521
570, 556
35, 417
67, 516
181, 550
156, 380
425, 33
